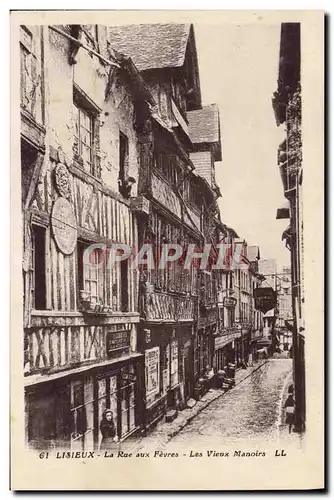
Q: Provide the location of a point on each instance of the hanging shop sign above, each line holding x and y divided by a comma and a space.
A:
152, 371
64, 225
265, 299
230, 302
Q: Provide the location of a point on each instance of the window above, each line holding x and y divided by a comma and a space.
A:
123, 163
38, 281
174, 364
231, 316
49, 424
86, 132
124, 286
128, 402
197, 355
83, 137
30, 77
89, 275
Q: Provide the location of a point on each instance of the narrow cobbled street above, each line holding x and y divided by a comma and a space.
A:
252, 410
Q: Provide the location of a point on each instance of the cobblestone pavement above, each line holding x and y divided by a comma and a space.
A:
252, 410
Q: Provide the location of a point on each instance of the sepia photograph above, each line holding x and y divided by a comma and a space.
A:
162, 288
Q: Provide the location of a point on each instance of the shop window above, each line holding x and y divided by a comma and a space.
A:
174, 364
107, 397
48, 417
128, 404
38, 279
166, 370
82, 412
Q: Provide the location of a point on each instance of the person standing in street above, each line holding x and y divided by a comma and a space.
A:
290, 411
108, 431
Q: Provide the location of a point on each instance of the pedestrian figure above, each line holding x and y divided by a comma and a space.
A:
290, 411
108, 431
290, 390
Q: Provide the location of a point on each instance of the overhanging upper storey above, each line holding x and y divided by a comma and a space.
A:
168, 50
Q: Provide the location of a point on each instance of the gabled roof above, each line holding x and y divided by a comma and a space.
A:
152, 46
204, 124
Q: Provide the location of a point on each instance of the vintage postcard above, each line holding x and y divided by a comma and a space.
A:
167, 279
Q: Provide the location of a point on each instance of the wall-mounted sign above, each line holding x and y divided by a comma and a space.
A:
64, 225
230, 302
118, 340
152, 371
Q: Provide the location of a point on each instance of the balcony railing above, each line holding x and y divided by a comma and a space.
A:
168, 308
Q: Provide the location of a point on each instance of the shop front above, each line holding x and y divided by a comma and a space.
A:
66, 413
186, 366
204, 341
203, 350
162, 370
226, 348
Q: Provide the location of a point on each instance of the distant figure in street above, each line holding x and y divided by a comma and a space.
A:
243, 365
208, 376
290, 411
108, 431
290, 390
209, 373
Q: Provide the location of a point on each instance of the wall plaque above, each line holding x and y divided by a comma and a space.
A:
118, 340
62, 180
64, 225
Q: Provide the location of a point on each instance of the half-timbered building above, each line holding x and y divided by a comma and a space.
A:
81, 106
177, 195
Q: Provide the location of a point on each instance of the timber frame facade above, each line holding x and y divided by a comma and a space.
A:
116, 147
80, 322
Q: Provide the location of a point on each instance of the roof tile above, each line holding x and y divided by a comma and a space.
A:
151, 46
204, 124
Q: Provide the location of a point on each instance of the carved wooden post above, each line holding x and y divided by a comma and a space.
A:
145, 149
